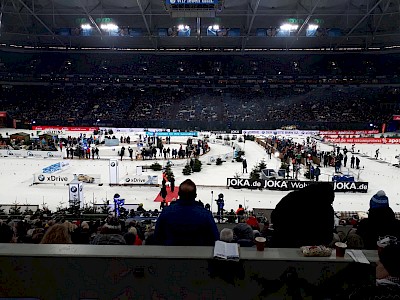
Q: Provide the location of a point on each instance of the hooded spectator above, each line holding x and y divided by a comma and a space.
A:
294, 220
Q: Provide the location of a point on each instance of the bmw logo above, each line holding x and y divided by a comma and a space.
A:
49, 154
30, 153
74, 189
172, 1
113, 164
41, 177
127, 180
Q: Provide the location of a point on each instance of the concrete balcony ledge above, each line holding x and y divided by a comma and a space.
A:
159, 272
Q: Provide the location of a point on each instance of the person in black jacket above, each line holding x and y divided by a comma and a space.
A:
294, 218
172, 183
381, 221
244, 163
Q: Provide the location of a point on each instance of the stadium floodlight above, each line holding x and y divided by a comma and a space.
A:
86, 26
312, 27
183, 27
109, 27
289, 27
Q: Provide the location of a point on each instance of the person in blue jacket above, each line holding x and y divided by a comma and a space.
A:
186, 223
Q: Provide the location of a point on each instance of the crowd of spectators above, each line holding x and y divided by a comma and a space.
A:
124, 105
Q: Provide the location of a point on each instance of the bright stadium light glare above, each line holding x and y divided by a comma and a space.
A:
289, 27
312, 27
86, 26
109, 27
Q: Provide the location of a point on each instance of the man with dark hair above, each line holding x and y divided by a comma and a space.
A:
6, 233
387, 285
186, 223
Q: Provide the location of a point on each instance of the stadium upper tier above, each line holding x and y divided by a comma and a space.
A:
189, 64
312, 107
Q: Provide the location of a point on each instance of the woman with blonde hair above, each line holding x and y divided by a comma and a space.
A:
57, 234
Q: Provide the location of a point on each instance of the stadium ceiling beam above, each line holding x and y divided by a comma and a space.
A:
381, 17
224, 14
91, 19
253, 16
41, 22
308, 17
2, 4
359, 22
18, 12
146, 23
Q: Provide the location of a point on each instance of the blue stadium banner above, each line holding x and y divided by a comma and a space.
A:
192, 2
189, 133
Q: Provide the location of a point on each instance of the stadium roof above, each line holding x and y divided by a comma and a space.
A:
253, 24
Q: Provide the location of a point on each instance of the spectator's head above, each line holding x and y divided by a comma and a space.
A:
6, 233
85, 225
111, 226
226, 235
37, 237
379, 200
133, 230
321, 191
243, 231
57, 234
187, 190
389, 262
70, 226
130, 238
240, 206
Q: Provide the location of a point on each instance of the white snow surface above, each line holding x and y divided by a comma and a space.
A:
16, 177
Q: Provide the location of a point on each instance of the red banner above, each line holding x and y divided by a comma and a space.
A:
3, 114
348, 132
65, 128
396, 118
364, 140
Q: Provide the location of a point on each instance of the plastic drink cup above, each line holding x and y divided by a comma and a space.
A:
340, 249
260, 243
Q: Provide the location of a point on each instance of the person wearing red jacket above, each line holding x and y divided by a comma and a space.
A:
252, 221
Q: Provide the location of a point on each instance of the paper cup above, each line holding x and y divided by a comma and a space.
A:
340, 249
260, 243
